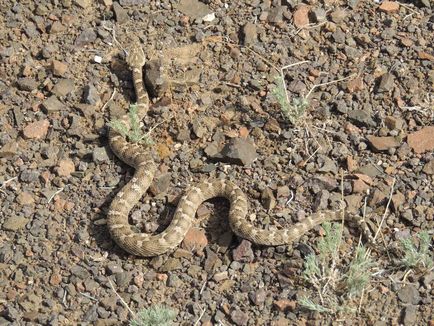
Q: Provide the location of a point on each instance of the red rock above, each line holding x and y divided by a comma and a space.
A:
426, 56
36, 130
195, 240
244, 132
301, 16
65, 168
383, 143
285, 305
389, 6
55, 279
359, 186
352, 164
59, 68
422, 141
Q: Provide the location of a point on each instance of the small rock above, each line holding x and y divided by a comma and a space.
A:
244, 252
338, 16
268, 200
25, 199
428, 167
155, 78
9, 149
14, 223
239, 317
361, 118
86, 37
258, 297
397, 200
27, 84
52, 104
383, 143
170, 265
393, 123
195, 240
319, 14
275, 15
63, 87
58, 68
409, 317
422, 141
36, 130
301, 16
386, 82
250, 33
409, 294
100, 155
218, 277
240, 151
285, 305
389, 6
193, 8
65, 167
90, 95
120, 13
160, 184
114, 268
83, 3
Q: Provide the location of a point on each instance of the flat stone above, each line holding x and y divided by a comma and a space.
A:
90, 95
9, 149
239, 318
83, 3
14, 223
86, 37
58, 68
100, 155
195, 240
36, 130
63, 87
301, 16
27, 84
389, 6
428, 168
285, 305
65, 167
422, 141
409, 294
193, 8
383, 143
25, 199
244, 252
171, 264
250, 33
387, 82
52, 104
393, 123
120, 13
240, 151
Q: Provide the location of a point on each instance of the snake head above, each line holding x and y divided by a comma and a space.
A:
135, 57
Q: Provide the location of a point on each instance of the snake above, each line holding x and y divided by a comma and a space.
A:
140, 158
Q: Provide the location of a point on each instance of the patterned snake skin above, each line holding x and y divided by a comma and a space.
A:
137, 156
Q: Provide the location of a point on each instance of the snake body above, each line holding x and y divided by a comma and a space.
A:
140, 158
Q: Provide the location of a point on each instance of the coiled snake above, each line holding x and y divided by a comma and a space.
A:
137, 156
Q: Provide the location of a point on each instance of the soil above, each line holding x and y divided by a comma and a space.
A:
366, 70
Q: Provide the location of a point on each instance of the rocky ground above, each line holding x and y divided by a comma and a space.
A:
366, 70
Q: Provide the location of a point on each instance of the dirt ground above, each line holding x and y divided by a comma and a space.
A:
363, 139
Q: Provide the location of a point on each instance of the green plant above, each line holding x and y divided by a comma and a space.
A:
156, 315
133, 132
335, 285
417, 257
292, 110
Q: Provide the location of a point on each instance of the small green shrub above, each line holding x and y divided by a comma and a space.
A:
134, 133
417, 257
156, 315
293, 110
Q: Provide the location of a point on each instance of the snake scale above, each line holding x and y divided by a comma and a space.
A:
140, 158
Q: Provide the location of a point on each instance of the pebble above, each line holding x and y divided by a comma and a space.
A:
36, 130
52, 104
389, 7
195, 240
27, 84
65, 168
86, 37
171, 264
239, 151
243, 253
409, 294
100, 155
361, 118
120, 13
193, 8
387, 81
319, 15
58, 68
250, 34
422, 141
267, 199
393, 123
91, 96
63, 87
9, 149
25, 198
301, 16
14, 223
239, 318
428, 168
285, 305
383, 143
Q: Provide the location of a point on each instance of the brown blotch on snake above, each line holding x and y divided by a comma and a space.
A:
140, 158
